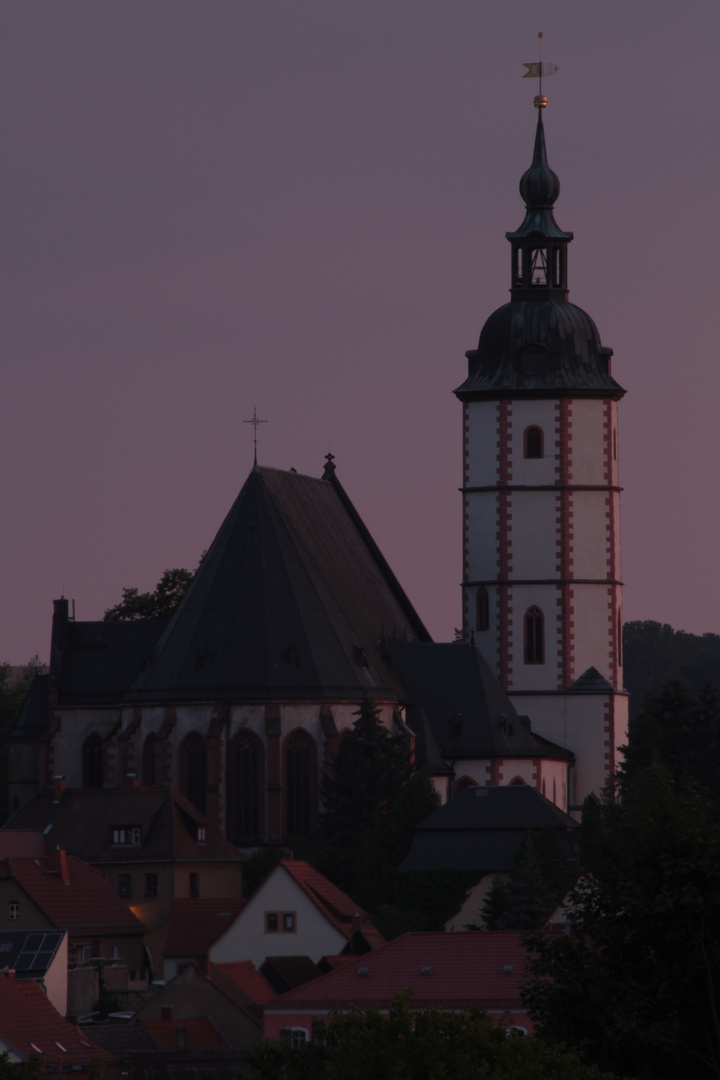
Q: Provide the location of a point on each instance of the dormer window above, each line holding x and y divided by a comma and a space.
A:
129, 834
201, 835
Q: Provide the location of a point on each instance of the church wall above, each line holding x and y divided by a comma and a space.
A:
585, 724
482, 527
590, 534
481, 438
533, 534
534, 676
587, 441
75, 727
525, 414
593, 619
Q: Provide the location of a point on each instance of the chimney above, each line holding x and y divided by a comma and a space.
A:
59, 786
166, 1013
57, 861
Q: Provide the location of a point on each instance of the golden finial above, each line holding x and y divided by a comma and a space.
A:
536, 71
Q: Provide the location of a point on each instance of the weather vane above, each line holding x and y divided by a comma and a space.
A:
536, 71
255, 420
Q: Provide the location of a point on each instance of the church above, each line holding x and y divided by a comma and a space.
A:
294, 618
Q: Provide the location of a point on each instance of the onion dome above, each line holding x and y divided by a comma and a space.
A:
539, 345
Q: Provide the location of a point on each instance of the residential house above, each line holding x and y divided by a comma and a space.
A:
61, 892
214, 994
40, 955
294, 911
31, 1027
480, 831
443, 971
151, 844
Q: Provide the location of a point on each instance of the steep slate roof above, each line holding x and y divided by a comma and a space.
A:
290, 602
196, 924
481, 829
335, 905
591, 682
466, 969
467, 710
27, 1017
82, 821
84, 903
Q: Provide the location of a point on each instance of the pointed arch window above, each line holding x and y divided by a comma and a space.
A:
300, 783
92, 757
148, 761
533, 442
620, 640
534, 636
482, 609
193, 770
247, 770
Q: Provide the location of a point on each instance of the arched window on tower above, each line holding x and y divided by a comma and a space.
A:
247, 771
533, 440
300, 783
193, 770
482, 609
92, 757
534, 636
148, 761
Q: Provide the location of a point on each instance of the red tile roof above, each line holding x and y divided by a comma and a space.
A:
247, 978
21, 843
86, 904
442, 969
200, 1033
345, 915
196, 924
30, 1023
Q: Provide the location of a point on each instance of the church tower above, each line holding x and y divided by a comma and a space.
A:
542, 590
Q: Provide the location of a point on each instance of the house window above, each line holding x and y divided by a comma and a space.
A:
151, 885
14, 910
92, 755
194, 885
298, 1037
534, 636
280, 922
247, 772
193, 770
300, 783
125, 886
533, 442
180, 1038
201, 835
482, 609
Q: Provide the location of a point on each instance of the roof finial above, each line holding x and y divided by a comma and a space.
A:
255, 420
536, 71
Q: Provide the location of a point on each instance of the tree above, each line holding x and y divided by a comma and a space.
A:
372, 804
365, 1044
635, 986
680, 730
159, 604
15, 683
654, 653
537, 880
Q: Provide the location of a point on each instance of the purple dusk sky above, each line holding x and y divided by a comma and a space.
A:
300, 205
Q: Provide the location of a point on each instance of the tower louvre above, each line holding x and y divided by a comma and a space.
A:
542, 589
